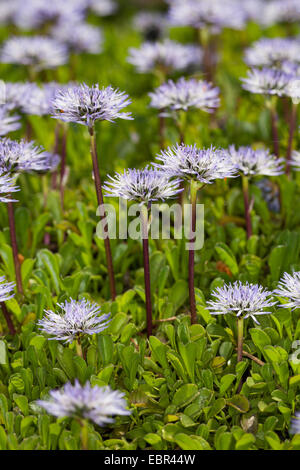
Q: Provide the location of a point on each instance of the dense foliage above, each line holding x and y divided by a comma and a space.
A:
182, 385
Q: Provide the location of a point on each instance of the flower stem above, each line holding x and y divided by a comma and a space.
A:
98, 187
245, 184
78, 347
271, 104
194, 189
144, 217
63, 165
162, 126
8, 319
240, 338
293, 124
84, 435
14, 245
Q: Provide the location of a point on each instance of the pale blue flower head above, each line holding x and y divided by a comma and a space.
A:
86, 105
266, 81
39, 99
23, 156
243, 300
143, 186
153, 25
39, 52
103, 7
8, 122
251, 162
213, 15
191, 163
77, 318
185, 94
78, 36
7, 186
6, 289
170, 55
289, 288
272, 52
96, 404
15, 94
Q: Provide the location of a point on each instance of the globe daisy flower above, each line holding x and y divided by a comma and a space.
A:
191, 163
6, 293
103, 8
272, 52
39, 99
86, 403
185, 94
15, 94
87, 105
23, 156
143, 186
251, 163
75, 320
7, 186
8, 122
271, 83
214, 15
18, 157
78, 36
38, 52
266, 81
289, 288
255, 162
243, 300
167, 56
199, 167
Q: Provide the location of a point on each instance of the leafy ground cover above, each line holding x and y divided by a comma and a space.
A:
182, 384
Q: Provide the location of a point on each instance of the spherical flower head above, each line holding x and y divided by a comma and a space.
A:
169, 55
39, 52
79, 36
6, 289
266, 81
7, 186
293, 90
295, 424
273, 52
213, 15
96, 404
257, 162
103, 8
77, 318
185, 94
15, 94
23, 156
143, 186
39, 99
8, 123
86, 105
190, 163
243, 300
289, 288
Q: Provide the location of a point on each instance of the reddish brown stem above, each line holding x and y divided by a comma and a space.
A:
8, 319
275, 135
63, 166
192, 255
98, 187
247, 206
14, 245
162, 126
147, 273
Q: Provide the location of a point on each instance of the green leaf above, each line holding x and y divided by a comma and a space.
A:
239, 402
226, 255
